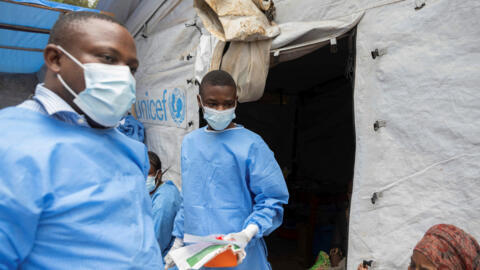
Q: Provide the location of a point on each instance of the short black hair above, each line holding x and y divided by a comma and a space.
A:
63, 29
217, 77
154, 161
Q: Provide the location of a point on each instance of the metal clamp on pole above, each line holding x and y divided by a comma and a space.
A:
192, 81
193, 23
378, 52
374, 198
367, 263
379, 124
333, 45
419, 4
144, 30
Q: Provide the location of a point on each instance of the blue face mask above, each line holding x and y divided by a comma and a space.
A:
109, 91
218, 120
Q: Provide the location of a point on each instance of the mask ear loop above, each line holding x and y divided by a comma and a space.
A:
70, 56
60, 77
201, 103
66, 85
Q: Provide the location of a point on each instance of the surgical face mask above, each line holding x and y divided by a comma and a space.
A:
218, 120
109, 91
150, 183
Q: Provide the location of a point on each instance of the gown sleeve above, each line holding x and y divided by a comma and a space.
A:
21, 204
165, 204
178, 225
268, 189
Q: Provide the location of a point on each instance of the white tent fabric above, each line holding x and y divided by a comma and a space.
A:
121, 9
166, 94
424, 164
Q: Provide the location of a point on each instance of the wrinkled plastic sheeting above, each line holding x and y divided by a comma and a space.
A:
248, 63
205, 54
167, 60
239, 20
305, 22
304, 33
424, 164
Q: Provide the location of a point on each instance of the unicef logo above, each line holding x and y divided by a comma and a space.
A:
176, 105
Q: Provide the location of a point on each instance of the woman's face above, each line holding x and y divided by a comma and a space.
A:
420, 262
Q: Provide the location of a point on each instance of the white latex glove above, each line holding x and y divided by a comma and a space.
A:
169, 263
243, 237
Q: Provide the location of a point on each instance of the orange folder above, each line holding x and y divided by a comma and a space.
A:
224, 259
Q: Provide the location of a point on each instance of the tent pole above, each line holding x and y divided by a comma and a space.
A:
21, 49
24, 28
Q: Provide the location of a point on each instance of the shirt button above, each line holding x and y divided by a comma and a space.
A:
81, 121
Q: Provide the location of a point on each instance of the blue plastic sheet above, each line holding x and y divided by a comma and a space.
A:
19, 50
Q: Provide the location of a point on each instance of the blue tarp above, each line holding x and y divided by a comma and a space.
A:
21, 50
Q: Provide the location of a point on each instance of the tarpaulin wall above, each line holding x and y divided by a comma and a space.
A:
166, 93
24, 32
424, 160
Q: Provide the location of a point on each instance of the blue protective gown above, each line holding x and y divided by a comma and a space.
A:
165, 204
231, 179
72, 197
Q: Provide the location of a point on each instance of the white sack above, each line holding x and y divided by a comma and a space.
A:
239, 20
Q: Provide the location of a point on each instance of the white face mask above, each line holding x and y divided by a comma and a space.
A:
150, 183
218, 120
109, 91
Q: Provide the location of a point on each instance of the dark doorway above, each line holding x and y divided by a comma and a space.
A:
306, 117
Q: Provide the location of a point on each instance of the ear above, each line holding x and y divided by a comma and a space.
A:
199, 101
51, 55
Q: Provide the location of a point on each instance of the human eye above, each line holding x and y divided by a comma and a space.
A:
108, 58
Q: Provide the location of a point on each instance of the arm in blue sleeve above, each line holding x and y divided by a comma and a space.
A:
178, 226
178, 223
268, 188
165, 205
20, 208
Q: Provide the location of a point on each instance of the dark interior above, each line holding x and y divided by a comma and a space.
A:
306, 117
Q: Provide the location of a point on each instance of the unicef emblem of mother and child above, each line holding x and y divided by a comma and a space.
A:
176, 106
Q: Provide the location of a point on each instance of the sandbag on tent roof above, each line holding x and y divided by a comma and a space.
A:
24, 30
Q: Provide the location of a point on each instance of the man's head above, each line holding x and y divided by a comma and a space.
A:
218, 99
218, 90
90, 38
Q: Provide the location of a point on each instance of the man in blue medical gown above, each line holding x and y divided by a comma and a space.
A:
72, 187
231, 182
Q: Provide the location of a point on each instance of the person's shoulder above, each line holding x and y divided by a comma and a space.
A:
253, 137
194, 134
17, 121
167, 192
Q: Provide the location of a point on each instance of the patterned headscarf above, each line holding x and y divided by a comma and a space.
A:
450, 248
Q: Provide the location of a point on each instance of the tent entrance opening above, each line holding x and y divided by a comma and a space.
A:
306, 118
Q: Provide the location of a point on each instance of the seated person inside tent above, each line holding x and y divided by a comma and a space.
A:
444, 247
166, 200
231, 182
